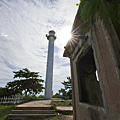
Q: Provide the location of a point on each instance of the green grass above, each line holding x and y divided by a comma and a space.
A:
5, 111
65, 112
4, 107
61, 103
56, 117
54, 104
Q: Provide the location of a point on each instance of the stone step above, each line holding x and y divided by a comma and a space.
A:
28, 116
33, 108
33, 112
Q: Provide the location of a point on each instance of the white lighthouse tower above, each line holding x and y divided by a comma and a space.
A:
49, 72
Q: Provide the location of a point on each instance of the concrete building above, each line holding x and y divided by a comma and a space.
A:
49, 71
97, 50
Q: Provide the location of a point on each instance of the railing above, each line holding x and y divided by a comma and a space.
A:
14, 99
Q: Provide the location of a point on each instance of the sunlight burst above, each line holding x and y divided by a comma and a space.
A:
69, 38
65, 35
76, 37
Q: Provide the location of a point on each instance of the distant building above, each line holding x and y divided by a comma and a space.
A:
97, 50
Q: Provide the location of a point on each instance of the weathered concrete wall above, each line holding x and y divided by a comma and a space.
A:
93, 100
107, 66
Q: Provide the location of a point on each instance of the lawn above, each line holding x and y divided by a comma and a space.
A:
5, 111
61, 103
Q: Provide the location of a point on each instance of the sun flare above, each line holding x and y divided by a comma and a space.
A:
65, 35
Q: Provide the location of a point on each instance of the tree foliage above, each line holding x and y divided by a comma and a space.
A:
102, 8
2, 92
67, 90
67, 84
28, 82
25, 73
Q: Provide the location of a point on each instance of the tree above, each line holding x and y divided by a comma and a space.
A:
67, 84
56, 95
64, 96
68, 88
28, 82
2, 92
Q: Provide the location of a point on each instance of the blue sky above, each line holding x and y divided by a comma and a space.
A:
23, 26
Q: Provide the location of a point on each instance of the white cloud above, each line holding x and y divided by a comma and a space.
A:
23, 26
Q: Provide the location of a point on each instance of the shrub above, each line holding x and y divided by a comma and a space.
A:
41, 96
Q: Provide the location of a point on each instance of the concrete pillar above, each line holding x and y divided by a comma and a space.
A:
49, 71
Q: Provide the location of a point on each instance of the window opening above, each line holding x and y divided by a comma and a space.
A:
97, 76
88, 81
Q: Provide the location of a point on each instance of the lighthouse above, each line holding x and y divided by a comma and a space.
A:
49, 71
